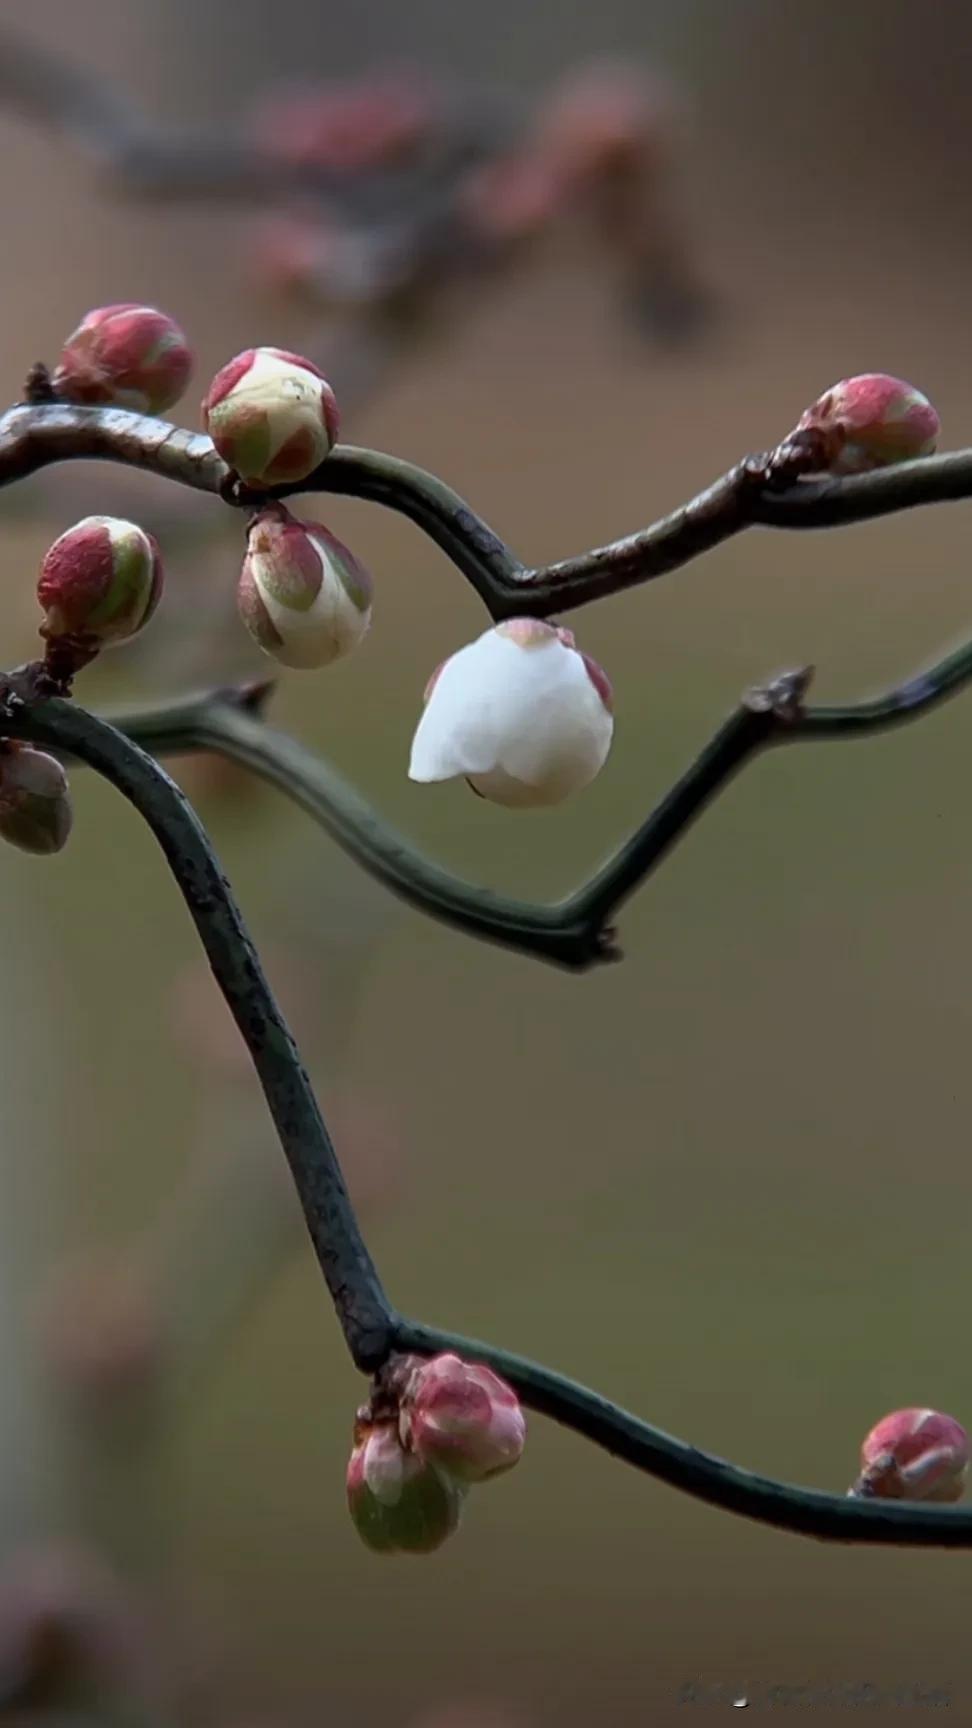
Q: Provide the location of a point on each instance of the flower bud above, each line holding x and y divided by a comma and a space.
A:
520, 713
129, 355
870, 422
463, 1418
303, 596
272, 416
100, 582
397, 1501
35, 804
914, 1455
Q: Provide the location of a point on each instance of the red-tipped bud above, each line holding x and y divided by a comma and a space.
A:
398, 1502
914, 1455
272, 416
462, 1418
869, 422
133, 356
35, 803
303, 596
99, 583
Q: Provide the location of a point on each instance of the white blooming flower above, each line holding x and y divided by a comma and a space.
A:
520, 713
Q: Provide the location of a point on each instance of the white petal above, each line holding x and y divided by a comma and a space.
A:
458, 733
523, 723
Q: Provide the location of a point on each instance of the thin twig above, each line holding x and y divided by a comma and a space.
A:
363, 1309
804, 1511
32, 437
576, 932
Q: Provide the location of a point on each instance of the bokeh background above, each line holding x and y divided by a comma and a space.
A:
726, 1182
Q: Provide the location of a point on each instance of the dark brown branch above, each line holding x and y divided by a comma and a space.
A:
803, 1511
32, 437
363, 1309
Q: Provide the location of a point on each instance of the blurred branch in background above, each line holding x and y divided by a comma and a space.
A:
389, 191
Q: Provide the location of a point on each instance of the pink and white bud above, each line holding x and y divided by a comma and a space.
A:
129, 355
398, 1502
870, 422
463, 1418
914, 1455
520, 713
302, 595
100, 582
35, 803
272, 416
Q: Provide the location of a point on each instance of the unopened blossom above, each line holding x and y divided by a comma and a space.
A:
398, 1502
130, 355
869, 421
304, 598
272, 416
35, 802
462, 1417
914, 1454
520, 713
100, 582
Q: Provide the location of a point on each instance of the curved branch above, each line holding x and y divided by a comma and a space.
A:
363, 1309
33, 436
576, 932
804, 1511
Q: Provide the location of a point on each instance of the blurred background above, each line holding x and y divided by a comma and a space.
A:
725, 1182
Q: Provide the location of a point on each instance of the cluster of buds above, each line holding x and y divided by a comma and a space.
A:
862, 423
521, 714
914, 1455
432, 1430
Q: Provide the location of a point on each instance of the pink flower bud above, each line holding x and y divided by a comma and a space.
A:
130, 355
463, 1418
35, 803
520, 713
272, 416
914, 1455
303, 596
398, 1502
870, 422
100, 582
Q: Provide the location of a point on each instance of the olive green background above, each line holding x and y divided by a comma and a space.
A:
726, 1182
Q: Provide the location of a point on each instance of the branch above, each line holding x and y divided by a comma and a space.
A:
804, 1511
32, 437
370, 1325
576, 932
363, 1309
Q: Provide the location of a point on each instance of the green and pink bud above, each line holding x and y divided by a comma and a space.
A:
914, 1455
127, 355
35, 803
870, 421
304, 598
462, 1418
398, 1502
272, 416
521, 714
99, 583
